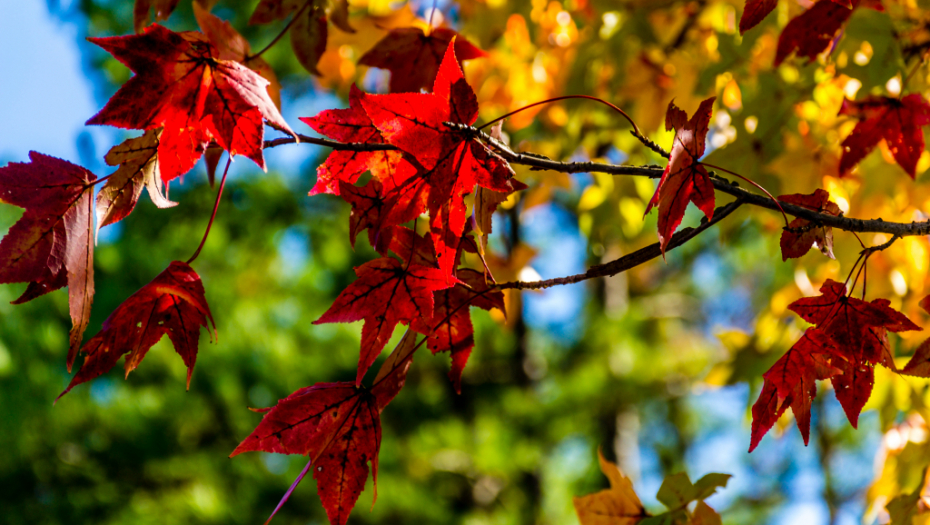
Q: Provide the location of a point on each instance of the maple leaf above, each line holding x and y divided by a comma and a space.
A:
450, 328
801, 234
137, 159
50, 246
141, 12
387, 292
367, 202
414, 58
919, 364
308, 30
230, 45
812, 32
756, 10
791, 382
181, 85
857, 328
353, 125
172, 304
896, 121
449, 161
618, 505
684, 178
338, 425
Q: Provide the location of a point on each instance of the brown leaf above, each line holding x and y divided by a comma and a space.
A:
618, 505
137, 159
308, 37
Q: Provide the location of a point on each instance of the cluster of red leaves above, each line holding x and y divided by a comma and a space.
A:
420, 285
189, 90
435, 166
684, 179
51, 246
811, 32
849, 338
897, 121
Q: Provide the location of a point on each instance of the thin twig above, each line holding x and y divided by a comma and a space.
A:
282, 33
630, 260
722, 185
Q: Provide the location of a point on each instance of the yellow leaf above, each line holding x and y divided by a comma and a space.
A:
617, 505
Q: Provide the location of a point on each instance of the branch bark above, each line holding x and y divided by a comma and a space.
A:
540, 162
630, 260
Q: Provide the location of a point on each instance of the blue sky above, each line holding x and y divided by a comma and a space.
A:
44, 97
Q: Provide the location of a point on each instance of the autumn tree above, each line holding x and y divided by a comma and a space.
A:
794, 128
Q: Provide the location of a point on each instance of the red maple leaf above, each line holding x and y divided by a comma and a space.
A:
338, 425
51, 245
450, 329
181, 85
352, 125
756, 10
801, 234
449, 161
413, 58
896, 121
857, 329
173, 304
919, 365
386, 292
367, 202
309, 30
684, 178
812, 32
791, 382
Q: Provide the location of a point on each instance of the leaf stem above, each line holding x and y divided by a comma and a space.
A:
216, 206
566, 97
539, 162
95, 182
282, 33
759, 187
432, 11
290, 490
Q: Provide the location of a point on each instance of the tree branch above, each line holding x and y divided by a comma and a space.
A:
540, 162
630, 260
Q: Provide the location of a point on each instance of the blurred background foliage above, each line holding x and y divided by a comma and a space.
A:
657, 366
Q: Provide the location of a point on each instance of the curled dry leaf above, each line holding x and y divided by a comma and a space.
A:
801, 234
137, 159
